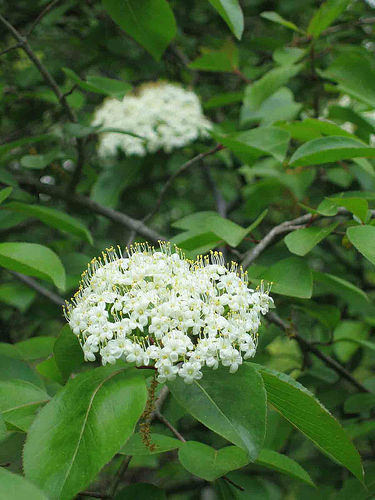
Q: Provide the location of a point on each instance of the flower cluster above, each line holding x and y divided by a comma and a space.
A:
164, 116
155, 308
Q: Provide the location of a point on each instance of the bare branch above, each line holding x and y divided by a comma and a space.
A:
30, 282
93, 206
182, 169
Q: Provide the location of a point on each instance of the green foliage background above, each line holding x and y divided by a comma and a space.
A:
285, 185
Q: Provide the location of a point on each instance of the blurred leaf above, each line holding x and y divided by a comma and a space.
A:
34, 260
9, 146
34, 348
358, 403
38, 162
340, 286
303, 411
100, 84
17, 487
224, 99
231, 12
302, 241
54, 218
330, 149
225, 59
104, 405
11, 368
276, 18
151, 23
363, 238
206, 462
213, 402
355, 330
17, 295
135, 446
141, 491
312, 128
325, 16
4, 193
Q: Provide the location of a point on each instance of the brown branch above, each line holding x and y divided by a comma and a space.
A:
44, 12
307, 346
31, 283
93, 206
182, 169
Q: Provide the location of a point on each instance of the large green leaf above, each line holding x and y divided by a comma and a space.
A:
231, 12
302, 241
13, 486
354, 74
19, 400
363, 238
261, 141
213, 402
290, 277
281, 463
325, 16
81, 429
206, 462
52, 217
136, 447
307, 414
34, 260
151, 22
330, 149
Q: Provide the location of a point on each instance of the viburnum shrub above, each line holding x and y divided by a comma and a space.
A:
155, 307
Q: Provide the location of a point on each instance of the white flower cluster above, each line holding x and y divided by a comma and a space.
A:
155, 308
165, 115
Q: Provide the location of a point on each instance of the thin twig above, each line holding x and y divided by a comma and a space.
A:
12, 47
292, 333
119, 476
167, 423
94, 207
44, 12
178, 172
226, 478
31, 283
221, 204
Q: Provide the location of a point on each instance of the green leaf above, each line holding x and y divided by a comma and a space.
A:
330, 149
213, 402
151, 22
19, 400
223, 60
340, 286
3, 428
223, 99
307, 414
358, 403
281, 463
81, 429
354, 74
326, 314
354, 330
9, 146
17, 295
54, 218
100, 84
11, 368
357, 206
141, 491
34, 348
49, 369
231, 12
4, 193
290, 277
276, 18
254, 143
34, 260
302, 241
67, 352
226, 230
363, 238
18, 488
210, 464
325, 16
312, 128
38, 162
258, 91
135, 446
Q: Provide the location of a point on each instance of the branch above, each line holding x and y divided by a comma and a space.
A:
31, 283
306, 346
44, 12
182, 169
284, 227
93, 206
51, 82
